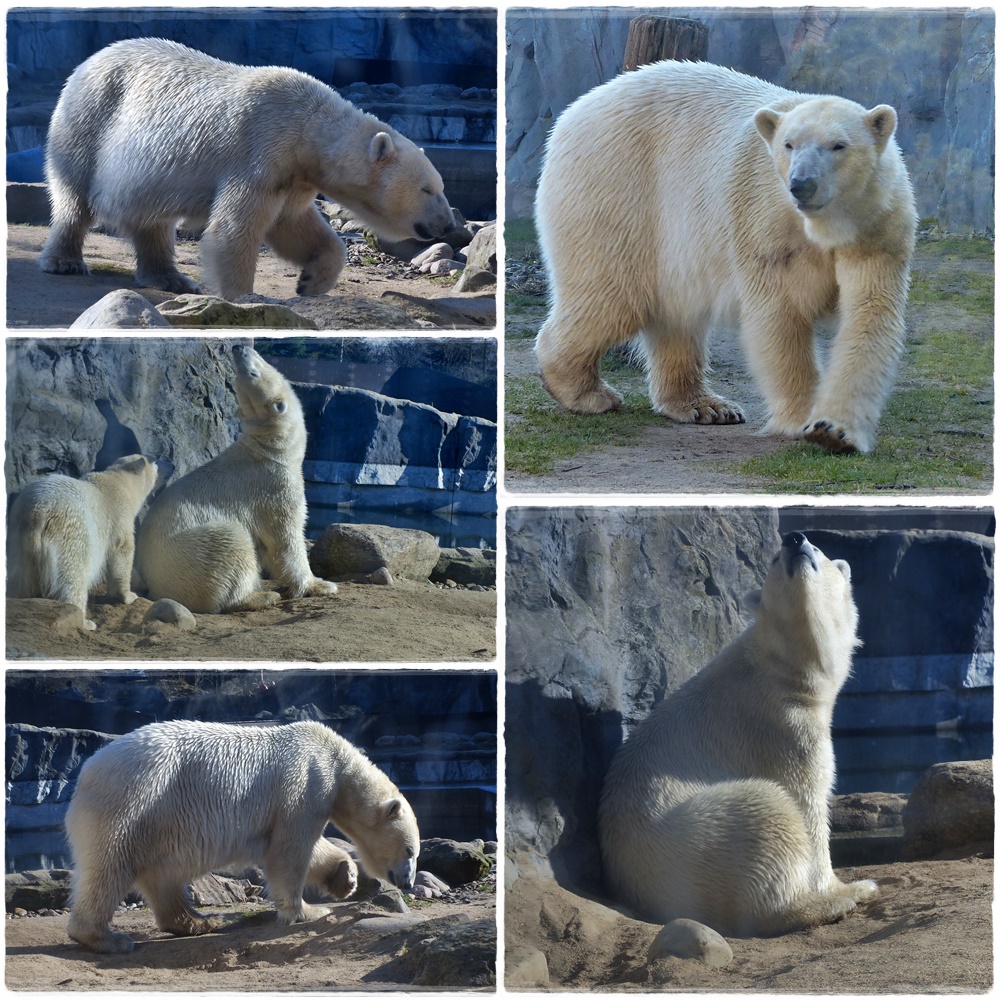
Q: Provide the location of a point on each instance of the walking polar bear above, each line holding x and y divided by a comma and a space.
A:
68, 535
716, 807
683, 196
174, 800
206, 536
148, 132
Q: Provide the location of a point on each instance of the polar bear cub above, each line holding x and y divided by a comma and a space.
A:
207, 535
751, 205
174, 800
148, 132
716, 807
67, 536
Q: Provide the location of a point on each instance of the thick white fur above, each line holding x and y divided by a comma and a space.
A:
664, 209
66, 536
173, 800
716, 807
148, 132
205, 536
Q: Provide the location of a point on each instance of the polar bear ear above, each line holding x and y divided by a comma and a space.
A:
391, 808
844, 568
881, 122
752, 601
381, 147
767, 122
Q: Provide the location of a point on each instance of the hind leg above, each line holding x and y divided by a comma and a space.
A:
570, 346
155, 261
676, 365
71, 218
288, 860
169, 901
305, 238
814, 908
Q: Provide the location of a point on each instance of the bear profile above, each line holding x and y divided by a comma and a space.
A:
241, 151
66, 536
173, 800
716, 808
683, 196
207, 536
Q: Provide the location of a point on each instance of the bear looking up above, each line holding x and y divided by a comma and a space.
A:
683, 196
174, 800
240, 150
716, 807
201, 540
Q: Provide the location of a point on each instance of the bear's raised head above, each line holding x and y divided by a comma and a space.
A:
805, 611
828, 151
402, 196
388, 841
267, 405
142, 474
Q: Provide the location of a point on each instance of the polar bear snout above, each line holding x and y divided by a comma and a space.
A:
403, 874
796, 551
437, 222
803, 190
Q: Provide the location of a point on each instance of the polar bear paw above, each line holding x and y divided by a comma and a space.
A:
862, 890
706, 409
599, 398
832, 436
319, 588
54, 264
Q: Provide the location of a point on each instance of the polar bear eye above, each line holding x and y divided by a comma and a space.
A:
789, 146
838, 146
426, 190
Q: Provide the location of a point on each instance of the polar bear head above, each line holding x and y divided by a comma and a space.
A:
267, 406
827, 151
397, 191
139, 475
388, 841
805, 612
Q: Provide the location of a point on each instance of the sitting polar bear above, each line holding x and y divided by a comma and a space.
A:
205, 536
174, 800
683, 196
148, 132
66, 536
716, 808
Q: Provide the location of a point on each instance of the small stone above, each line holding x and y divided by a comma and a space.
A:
444, 267
684, 938
525, 966
382, 577
171, 612
435, 252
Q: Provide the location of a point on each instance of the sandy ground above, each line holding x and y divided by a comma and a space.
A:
251, 952
928, 931
37, 299
406, 622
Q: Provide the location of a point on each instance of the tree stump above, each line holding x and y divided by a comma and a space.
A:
652, 38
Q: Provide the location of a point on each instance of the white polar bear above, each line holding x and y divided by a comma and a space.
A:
683, 196
66, 536
148, 132
174, 800
717, 806
206, 535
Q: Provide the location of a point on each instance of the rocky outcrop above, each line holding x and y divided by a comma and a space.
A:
951, 807
347, 550
934, 66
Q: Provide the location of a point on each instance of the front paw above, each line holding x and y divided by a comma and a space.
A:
832, 436
320, 588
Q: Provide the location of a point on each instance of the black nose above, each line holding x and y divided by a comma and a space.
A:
802, 188
794, 540
239, 349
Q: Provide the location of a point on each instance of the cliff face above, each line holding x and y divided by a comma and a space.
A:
934, 67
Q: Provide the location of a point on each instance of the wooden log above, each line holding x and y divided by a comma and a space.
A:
652, 38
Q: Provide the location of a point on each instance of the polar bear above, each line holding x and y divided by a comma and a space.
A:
716, 807
147, 132
205, 536
174, 800
66, 536
683, 196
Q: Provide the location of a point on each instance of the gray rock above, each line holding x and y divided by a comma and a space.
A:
436, 251
475, 279
122, 309
456, 863
525, 967
451, 953
216, 890
381, 577
210, 311
38, 890
346, 549
430, 882
466, 566
383, 926
951, 807
689, 939
171, 612
444, 267
482, 251
867, 812
391, 899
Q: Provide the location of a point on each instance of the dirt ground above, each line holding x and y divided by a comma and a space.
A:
386, 294
670, 457
928, 931
249, 953
407, 622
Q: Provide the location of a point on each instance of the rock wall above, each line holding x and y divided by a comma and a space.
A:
610, 610
73, 406
934, 66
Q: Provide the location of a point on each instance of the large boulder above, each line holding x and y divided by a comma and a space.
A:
346, 550
951, 807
